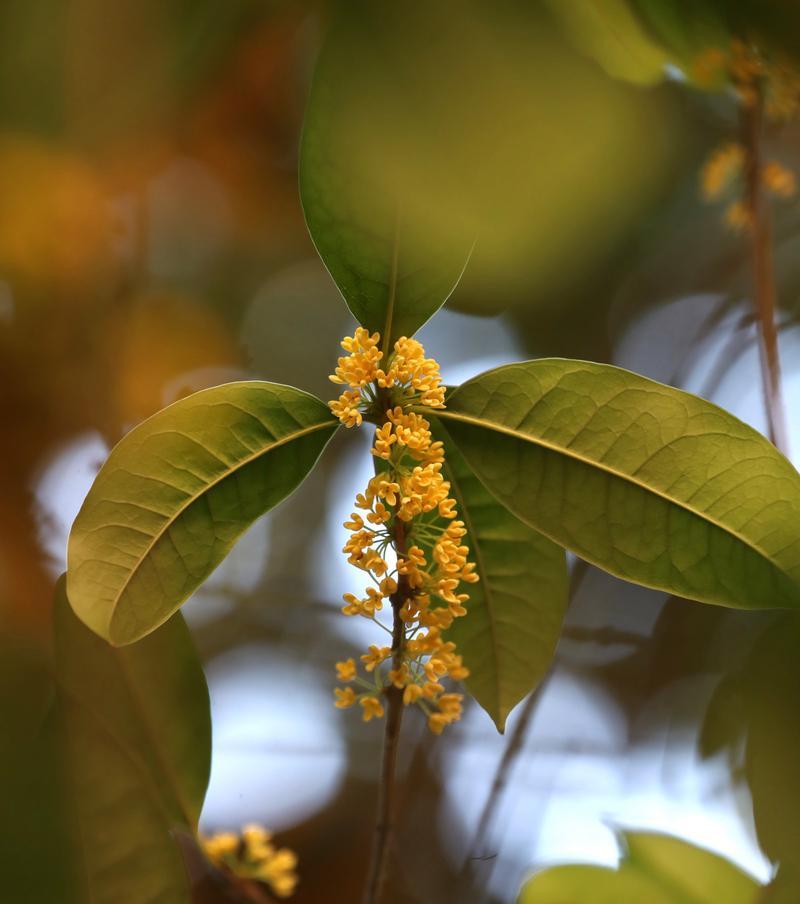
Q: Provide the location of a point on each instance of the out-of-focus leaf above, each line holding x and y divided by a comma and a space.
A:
612, 34
722, 724
516, 609
582, 884
176, 493
770, 685
138, 735
650, 483
366, 203
686, 28
655, 869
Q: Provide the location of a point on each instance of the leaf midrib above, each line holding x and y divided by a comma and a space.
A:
193, 498
102, 725
576, 456
392, 287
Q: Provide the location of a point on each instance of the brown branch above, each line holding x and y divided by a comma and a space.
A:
387, 790
764, 294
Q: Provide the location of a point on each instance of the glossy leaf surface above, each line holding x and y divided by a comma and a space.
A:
515, 611
650, 483
365, 191
176, 493
138, 734
656, 869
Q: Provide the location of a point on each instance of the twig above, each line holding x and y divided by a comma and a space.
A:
387, 790
501, 777
752, 125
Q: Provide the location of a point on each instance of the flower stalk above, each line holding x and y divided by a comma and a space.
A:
407, 539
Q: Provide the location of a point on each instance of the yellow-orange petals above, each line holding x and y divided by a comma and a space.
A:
360, 367
373, 708
345, 696
346, 671
721, 169
738, 216
779, 180
278, 872
437, 722
346, 408
375, 657
411, 694
220, 845
405, 509
254, 857
372, 602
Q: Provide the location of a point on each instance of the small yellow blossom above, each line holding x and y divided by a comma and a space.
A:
346, 671
254, 856
779, 180
406, 509
721, 169
359, 367
346, 408
738, 216
375, 657
373, 708
221, 845
345, 696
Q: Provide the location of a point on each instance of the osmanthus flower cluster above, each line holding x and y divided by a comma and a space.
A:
405, 516
750, 74
254, 856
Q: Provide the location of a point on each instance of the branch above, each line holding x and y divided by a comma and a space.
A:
387, 791
752, 124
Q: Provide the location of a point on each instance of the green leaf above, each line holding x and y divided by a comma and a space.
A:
611, 33
365, 190
650, 483
656, 869
176, 493
516, 609
138, 734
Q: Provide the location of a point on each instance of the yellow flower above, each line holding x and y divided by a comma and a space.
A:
221, 845
432, 559
720, 170
384, 438
437, 722
411, 694
345, 696
346, 408
779, 180
361, 365
355, 523
375, 657
399, 677
346, 671
254, 858
372, 708
738, 216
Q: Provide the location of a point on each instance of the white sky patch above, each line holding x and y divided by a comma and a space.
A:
278, 756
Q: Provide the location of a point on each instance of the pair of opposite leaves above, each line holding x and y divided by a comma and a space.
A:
650, 483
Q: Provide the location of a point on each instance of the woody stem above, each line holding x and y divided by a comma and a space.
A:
387, 790
752, 123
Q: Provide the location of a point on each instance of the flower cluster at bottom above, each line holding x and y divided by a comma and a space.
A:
405, 514
253, 856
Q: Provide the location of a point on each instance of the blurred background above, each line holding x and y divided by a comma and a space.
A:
152, 244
